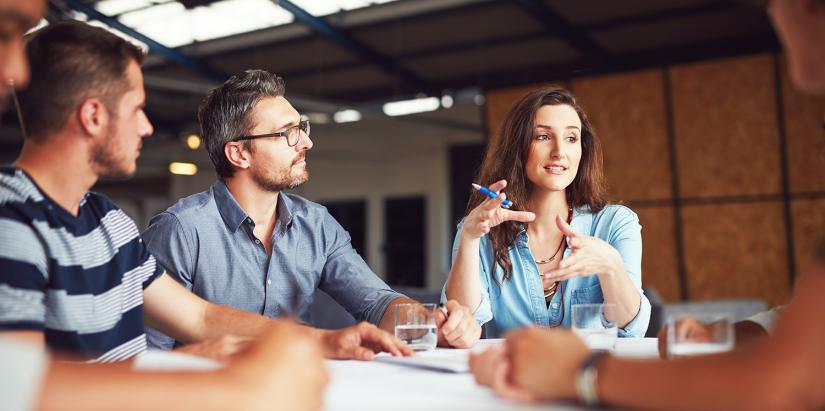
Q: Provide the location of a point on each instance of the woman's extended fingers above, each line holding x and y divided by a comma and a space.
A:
521, 216
564, 227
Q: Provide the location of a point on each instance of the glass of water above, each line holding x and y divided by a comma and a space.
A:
591, 323
699, 334
415, 325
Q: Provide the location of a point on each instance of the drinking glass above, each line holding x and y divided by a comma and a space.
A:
699, 334
415, 325
590, 322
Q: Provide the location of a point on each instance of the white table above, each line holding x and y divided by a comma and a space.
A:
379, 386
382, 386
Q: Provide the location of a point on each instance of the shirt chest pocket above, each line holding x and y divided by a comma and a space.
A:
591, 294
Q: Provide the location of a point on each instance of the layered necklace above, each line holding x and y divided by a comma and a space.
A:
549, 292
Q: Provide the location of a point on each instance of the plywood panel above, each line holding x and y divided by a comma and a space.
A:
628, 112
804, 137
736, 251
809, 228
660, 268
726, 128
498, 103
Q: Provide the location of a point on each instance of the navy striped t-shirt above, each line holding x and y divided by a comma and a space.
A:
79, 279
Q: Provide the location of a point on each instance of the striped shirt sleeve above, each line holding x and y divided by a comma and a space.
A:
23, 277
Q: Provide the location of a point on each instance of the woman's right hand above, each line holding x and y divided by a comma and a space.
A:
489, 214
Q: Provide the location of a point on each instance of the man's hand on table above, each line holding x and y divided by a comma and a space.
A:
361, 342
534, 364
458, 329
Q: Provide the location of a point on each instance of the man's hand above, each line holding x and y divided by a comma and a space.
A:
459, 329
220, 349
545, 362
283, 369
361, 342
687, 329
492, 368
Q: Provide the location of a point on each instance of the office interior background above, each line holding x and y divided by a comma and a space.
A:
703, 136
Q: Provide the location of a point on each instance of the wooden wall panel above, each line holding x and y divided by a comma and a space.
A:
736, 251
809, 228
498, 102
660, 268
628, 112
805, 138
726, 129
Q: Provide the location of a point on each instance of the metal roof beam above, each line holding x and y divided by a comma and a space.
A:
386, 63
167, 52
556, 24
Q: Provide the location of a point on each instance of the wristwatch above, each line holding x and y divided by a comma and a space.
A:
586, 379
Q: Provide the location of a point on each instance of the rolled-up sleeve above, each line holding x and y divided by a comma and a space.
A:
168, 242
347, 278
626, 238
484, 312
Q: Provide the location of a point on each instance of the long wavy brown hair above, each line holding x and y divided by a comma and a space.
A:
506, 158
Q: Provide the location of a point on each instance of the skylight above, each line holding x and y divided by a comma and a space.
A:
171, 24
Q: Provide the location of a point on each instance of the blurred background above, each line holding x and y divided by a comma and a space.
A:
704, 138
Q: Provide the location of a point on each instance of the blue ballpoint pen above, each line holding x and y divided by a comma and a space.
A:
486, 191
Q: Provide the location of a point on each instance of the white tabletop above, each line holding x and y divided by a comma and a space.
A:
382, 386
366, 386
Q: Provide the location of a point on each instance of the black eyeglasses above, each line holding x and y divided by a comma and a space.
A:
292, 134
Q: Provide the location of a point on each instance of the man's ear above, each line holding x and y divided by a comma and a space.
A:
237, 155
93, 117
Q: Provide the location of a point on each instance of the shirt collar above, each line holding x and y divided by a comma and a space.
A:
232, 213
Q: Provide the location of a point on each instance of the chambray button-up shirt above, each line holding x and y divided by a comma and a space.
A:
205, 241
519, 302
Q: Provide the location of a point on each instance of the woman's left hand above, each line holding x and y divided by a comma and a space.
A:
589, 256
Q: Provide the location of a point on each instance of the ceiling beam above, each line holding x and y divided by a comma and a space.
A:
386, 63
167, 52
556, 24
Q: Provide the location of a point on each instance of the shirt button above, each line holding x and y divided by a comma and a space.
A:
257, 241
249, 220
268, 282
555, 305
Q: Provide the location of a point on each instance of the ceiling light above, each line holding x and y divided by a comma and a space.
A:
447, 101
347, 116
183, 169
417, 105
193, 141
318, 118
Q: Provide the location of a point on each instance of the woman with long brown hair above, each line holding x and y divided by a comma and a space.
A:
580, 249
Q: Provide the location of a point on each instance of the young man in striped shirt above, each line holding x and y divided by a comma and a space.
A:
74, 273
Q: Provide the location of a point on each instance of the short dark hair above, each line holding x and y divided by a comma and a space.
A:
225, 112
70, 62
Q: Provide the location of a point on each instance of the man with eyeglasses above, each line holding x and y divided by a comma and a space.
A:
248, 244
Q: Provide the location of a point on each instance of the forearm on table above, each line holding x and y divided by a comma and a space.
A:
220, 320
620, 291
736, 380
387, 322
464, 284
107, 387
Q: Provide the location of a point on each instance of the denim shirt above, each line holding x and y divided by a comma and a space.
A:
519, 301
206, 243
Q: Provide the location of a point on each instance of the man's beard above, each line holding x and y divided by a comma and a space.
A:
281, 180
105, 160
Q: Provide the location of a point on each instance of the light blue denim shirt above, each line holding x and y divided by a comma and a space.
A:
520, 302
206, 243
